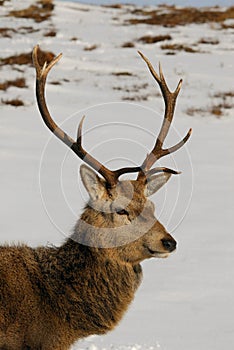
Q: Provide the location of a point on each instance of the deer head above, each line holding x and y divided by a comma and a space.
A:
119, 215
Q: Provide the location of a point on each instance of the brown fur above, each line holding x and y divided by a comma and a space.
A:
52, 296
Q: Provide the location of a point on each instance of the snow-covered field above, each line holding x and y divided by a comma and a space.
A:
185, 302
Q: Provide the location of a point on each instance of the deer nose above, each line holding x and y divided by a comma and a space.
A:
169, 244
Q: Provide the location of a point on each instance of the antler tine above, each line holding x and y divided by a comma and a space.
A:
110, 176
41, 73
170, 102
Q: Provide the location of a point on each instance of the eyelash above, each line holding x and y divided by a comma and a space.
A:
122, 212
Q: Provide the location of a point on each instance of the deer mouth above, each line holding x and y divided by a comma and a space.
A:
157, 254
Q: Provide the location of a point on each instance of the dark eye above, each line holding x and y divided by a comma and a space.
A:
122, 212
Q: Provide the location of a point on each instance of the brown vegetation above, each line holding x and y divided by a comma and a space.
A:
91, 47
7, 32
27, 30
224, 95
14, 102
149, 39
114, 6
178, 47
226, 101
210, 41
170, 16
50, 33
136, 98
26, 58
39, 12
19, 83
128, 44
227, 26
134, 92
124, 73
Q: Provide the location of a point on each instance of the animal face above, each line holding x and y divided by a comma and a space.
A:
123, 218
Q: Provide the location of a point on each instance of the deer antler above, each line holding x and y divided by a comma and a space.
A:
110, 176
170, 101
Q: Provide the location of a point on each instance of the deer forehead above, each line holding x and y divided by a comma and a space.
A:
126, 192
129, 195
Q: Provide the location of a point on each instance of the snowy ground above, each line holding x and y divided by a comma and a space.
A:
187, 301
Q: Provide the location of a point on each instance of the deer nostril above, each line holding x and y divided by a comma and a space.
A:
169, 244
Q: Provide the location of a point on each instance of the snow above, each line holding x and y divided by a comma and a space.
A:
187, 300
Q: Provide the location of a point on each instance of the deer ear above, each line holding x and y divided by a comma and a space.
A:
92, 182
155, 182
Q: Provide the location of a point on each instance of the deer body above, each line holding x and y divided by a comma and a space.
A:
52, 296
58, 295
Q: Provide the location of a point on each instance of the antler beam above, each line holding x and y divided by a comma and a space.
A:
41, 76
170, 102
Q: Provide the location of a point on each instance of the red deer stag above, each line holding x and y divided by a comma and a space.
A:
52, 296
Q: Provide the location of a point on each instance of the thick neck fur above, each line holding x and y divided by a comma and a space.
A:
87, 286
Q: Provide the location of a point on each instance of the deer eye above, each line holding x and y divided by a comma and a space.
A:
122, 212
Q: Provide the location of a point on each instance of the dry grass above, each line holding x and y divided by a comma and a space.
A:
114, 6
225, 102
128, 44
227, 26
135, 98
50, 33
131, 89
27, 30
19, 83
55, 82
134, 92
213, 110
26, 58
39, 12
91, 47
149, 39
124, 73
14, 102
178, 47
224, 95
210, 41
9, 32
181, 16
